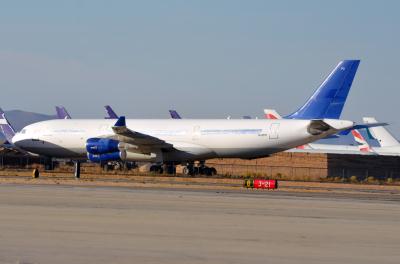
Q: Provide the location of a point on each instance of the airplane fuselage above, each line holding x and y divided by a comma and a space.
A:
192, 139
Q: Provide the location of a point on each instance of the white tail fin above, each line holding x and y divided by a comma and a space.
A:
363, 144
383, 136
272, 114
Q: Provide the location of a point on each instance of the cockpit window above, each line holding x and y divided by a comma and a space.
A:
23, 131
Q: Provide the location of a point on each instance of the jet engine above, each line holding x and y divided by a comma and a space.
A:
101, 145
113, 156
104, 150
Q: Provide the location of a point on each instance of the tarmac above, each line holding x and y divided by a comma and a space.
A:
89, 224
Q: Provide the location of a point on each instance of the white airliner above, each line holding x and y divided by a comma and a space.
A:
389, 145
172, 141
362, 147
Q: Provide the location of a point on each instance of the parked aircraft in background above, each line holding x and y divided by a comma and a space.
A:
110, 112
6, 128
179, 141
62, 113
174, 114
9, 132
388, 144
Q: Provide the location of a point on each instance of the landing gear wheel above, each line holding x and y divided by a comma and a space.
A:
206, 171
170, 169
185, 171
156, 169
209, 171
213, 171
188, 170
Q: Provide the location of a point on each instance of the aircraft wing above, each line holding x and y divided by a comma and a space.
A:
142, 141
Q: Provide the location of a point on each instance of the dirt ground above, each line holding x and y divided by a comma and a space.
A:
97, 224
391, 192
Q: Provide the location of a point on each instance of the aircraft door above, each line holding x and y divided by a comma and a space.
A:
274, 131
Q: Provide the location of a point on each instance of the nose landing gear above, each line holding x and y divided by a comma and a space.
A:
77, 169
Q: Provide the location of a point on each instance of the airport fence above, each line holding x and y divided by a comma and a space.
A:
233, 169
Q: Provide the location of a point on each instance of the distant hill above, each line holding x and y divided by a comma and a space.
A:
20, 119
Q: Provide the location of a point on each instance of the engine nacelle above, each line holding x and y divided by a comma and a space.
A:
102, 146
112, 156
134, 156
121, 156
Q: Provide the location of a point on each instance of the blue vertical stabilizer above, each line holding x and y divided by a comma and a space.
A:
328, 100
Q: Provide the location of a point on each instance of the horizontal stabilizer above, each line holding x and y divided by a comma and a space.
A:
381, 134
320, 126
363, 126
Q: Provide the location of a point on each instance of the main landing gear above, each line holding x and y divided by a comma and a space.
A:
167, 168
198, 169
190, 169
118, 165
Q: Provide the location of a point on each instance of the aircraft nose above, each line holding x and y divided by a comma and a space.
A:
17, 140
14, 139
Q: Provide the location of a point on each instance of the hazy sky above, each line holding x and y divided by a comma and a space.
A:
207, 59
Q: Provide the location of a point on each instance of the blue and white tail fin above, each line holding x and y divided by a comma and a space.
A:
62, 113
381, 134
110, 112
328, 100
5, 127
174, 114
